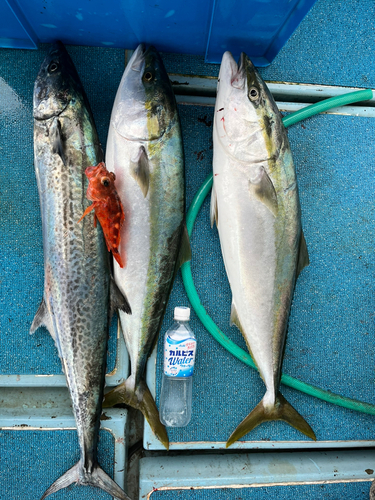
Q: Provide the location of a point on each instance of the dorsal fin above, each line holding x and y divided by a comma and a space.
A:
140, 170
118, 300
303, 256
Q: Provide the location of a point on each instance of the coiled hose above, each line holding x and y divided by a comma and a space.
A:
191, 291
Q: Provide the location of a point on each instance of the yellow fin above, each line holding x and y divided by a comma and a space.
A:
185, 249
141, 399
303, 256
282, 410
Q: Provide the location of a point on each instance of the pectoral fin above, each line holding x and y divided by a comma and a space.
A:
140, 170
303, 257
56, 139
261, 186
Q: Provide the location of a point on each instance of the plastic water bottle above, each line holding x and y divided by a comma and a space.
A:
177, 383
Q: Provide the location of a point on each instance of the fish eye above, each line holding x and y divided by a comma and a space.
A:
253, 93
53, 67
148, 76
105, 181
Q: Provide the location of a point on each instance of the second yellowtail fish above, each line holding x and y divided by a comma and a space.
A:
144, 149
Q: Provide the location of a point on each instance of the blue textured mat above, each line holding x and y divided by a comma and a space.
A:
354, 491
331, 330
32, 460
333, 45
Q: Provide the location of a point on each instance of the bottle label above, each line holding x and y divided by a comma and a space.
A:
179, 357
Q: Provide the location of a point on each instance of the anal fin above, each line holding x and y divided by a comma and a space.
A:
43, 318
234, 320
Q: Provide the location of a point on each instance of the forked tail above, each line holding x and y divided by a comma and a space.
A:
282, 410
96, 478
140, 398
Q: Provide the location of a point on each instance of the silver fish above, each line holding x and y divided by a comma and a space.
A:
256, 207
78, 288
144, 149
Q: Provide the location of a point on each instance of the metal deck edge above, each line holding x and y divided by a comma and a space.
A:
254, 470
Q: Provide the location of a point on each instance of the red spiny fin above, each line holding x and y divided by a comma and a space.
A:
87, 211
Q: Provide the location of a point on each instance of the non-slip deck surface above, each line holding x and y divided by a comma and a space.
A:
354, 491
32, 459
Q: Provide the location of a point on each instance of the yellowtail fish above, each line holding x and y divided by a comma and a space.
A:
144, 150
257, 211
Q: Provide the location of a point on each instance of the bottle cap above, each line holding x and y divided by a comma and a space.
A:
182, 313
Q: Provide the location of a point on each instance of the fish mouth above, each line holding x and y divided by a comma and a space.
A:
137, 59
231, 73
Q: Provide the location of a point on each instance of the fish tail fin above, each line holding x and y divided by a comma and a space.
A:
71, 476
140, 398
96, 478
281, 410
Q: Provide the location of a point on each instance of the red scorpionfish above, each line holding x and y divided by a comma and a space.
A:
107, 205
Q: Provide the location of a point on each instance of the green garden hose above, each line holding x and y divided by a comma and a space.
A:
209, 324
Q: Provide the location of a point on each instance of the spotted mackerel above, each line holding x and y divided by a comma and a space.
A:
78, 290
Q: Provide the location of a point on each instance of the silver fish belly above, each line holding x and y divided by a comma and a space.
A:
76, 303
256, 207
144, 149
